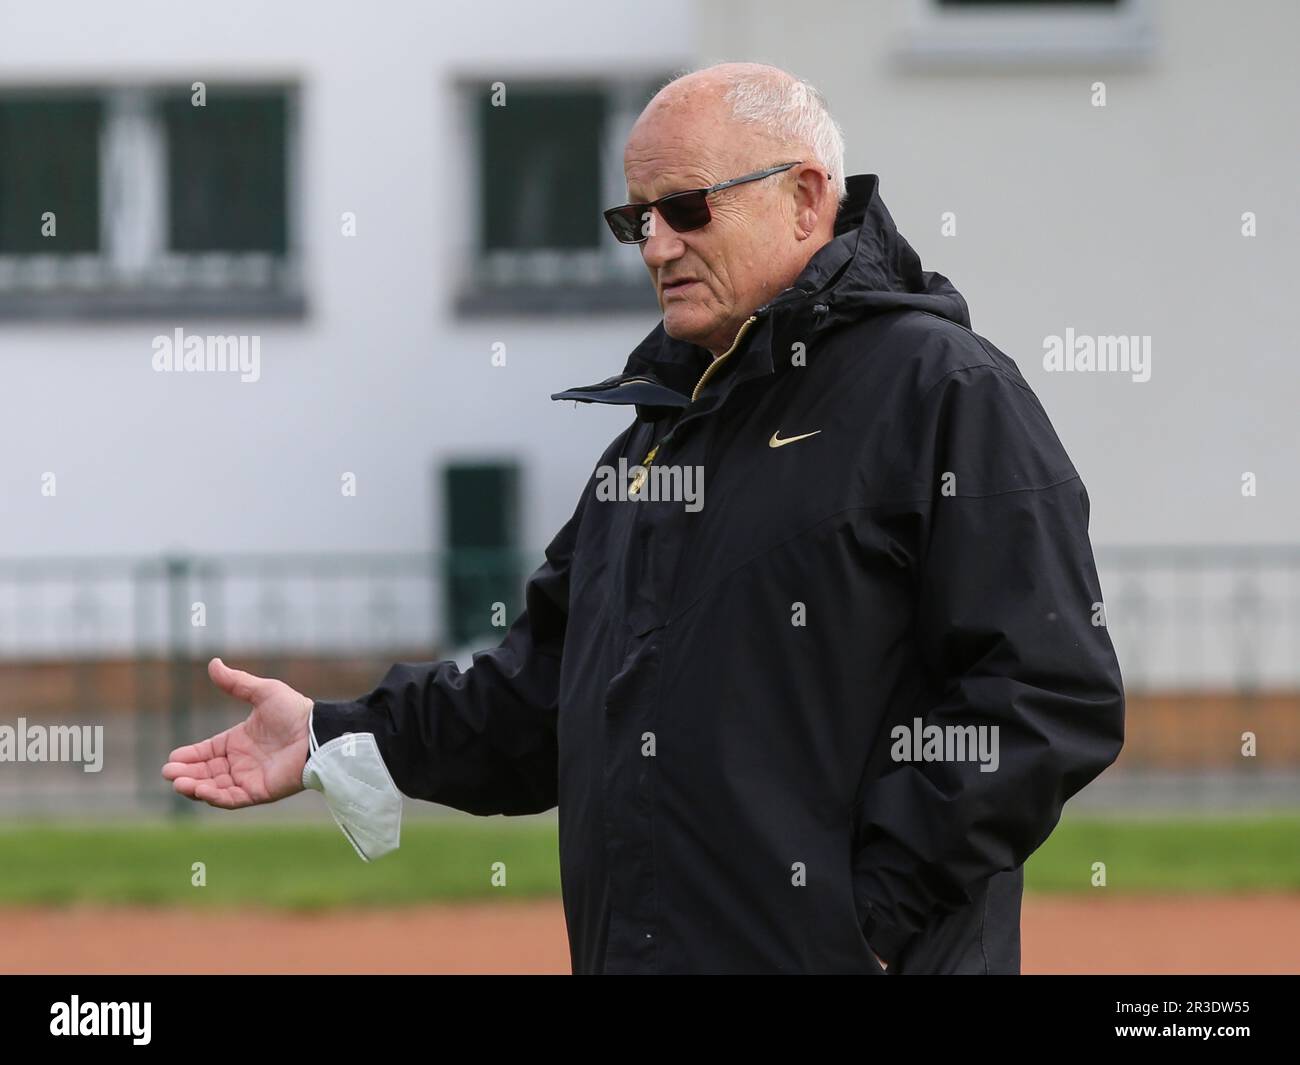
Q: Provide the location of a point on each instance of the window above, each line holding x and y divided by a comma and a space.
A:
225, 173
548, 159
983, 33
142, 200
482, 558
541, 171
49, 175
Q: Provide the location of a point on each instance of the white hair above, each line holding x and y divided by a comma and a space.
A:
790, 109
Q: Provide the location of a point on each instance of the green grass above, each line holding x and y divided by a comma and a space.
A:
1176, 855
286, 866
313, 867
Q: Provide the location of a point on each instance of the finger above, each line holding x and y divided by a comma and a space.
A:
190, 786
176, 770
185, 786
209, 770
236, 682
204, 750
227, 798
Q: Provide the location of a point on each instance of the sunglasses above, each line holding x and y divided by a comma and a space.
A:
684, 211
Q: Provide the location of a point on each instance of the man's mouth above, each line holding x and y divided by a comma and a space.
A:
680, 284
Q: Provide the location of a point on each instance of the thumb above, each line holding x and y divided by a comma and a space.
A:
236, 682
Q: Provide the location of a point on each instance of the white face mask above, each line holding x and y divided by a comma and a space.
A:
360, 793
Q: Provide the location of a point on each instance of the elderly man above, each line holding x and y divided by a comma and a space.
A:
817, 723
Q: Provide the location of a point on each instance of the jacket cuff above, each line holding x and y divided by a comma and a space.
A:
307, 775
329, 720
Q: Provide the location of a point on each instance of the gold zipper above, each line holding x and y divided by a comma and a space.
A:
708, 372
639, 479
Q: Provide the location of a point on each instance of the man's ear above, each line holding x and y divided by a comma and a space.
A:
813, 199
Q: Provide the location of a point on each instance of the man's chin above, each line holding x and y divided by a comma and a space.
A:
686, 326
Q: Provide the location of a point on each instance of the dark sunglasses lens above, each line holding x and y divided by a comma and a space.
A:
625, 223
687, 211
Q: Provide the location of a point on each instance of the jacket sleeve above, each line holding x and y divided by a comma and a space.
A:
1012, 636
482, 740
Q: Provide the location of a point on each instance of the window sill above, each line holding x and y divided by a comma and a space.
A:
65, 305
929, 56
1010, 39
557, 300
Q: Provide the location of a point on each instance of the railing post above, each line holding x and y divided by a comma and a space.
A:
146, 693
180, 667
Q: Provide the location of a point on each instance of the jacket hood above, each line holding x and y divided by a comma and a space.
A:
866, 268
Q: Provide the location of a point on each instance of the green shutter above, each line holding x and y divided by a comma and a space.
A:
226, 173
49, 161
541, 169
482, 563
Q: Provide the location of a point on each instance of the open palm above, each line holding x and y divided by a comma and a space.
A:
259, 760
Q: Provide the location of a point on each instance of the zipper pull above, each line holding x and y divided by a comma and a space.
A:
639, 479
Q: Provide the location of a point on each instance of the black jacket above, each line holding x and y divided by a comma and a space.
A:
711, 695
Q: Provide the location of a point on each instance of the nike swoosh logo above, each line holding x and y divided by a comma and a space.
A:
776, 440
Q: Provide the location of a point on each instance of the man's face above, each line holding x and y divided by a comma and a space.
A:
710, 280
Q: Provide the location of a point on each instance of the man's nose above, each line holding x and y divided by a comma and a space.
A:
663, 245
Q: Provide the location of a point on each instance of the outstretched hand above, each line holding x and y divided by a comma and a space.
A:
259, 760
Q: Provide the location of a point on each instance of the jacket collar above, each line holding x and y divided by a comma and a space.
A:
663, 354
866, 267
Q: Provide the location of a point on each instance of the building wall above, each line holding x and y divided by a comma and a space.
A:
381, 378
1122, 220
1117, 220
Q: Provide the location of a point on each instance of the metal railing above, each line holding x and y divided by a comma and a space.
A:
124, 642
1208, 640
1186, 617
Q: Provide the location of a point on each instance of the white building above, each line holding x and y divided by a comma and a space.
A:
1128, 219
379, 353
